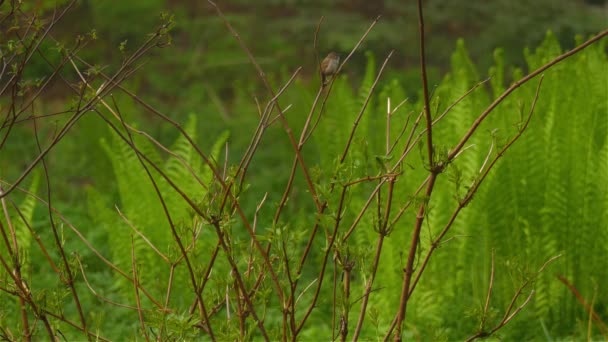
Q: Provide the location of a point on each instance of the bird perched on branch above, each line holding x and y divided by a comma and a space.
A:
329, 66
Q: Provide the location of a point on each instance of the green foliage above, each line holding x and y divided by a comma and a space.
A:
542, 200
546, 197
281, 33
41, 6
143, 215
115, 19
21, 220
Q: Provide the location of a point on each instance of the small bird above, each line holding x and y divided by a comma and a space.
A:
329, 66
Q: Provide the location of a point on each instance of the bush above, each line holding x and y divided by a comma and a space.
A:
314, 216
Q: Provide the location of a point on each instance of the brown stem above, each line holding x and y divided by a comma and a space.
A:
140, 313
365, 103
425, 89
324, 262
90, 104
286, 126
69, 281
87, 243
589, 308
473, 190
508, 316
488, 297
409, 267
382, 232
172, 227
516, 85
348, 266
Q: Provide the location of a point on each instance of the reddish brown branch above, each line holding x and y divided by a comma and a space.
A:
140, 313
425, 89
474, 189
510, 313
518, 84
594, 316
282, 118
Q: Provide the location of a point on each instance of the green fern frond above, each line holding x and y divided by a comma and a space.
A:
22, 232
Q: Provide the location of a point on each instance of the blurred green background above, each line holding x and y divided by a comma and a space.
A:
205, 57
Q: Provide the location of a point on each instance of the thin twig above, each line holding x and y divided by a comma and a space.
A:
362, 110
140, 313
164, 257
518, 84
288, 130
484, 315
589, 308
509, 314
473, 190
